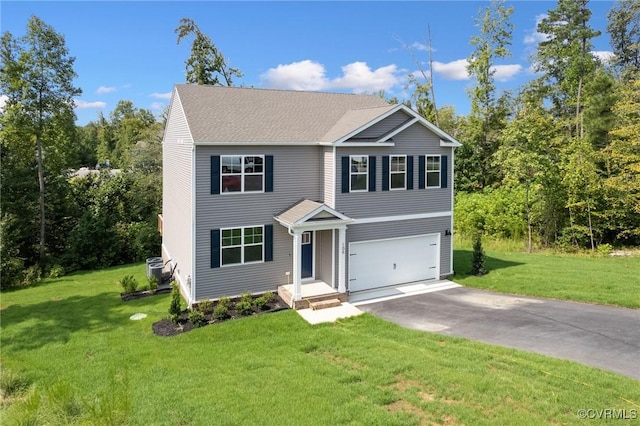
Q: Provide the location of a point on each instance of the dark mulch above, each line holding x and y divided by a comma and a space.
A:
165, 327
144, 293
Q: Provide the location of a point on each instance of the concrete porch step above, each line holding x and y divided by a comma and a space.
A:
323, 304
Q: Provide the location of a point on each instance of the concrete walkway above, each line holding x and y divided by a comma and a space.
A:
601, 336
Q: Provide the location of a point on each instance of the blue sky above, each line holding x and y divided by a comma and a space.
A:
128, 50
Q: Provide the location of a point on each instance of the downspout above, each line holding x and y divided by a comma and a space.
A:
453, 153
193, 223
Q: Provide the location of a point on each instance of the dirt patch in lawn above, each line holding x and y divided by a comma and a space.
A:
166, 327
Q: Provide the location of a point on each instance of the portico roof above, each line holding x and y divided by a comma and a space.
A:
311, 214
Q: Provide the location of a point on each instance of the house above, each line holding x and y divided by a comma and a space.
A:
268, 188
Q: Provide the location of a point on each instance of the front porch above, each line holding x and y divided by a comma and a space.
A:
310, 294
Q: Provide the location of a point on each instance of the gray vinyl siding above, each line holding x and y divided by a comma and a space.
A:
384, 126
415, 140
404, 228
329, 176
176, 192
297, 174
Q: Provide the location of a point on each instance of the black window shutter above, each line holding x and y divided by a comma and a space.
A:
215, 248
215, 174
345, 174
409, 171
268, 173
268, 243
443, 171
372, 173
421, 172
385, 172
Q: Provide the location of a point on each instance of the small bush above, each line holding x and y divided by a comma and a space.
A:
244, 308
153, 283
246, 297
197, 318
477, 262
174, 307
129, 284
32, 275
605, 249
269, 296
224, 301
205, 306
56, 271
221, 312
261, 303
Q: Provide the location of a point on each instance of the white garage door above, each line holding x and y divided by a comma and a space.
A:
381, 263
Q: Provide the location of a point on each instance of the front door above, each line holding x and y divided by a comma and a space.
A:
307, 255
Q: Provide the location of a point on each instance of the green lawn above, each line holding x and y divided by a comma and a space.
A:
72, 338
584, 278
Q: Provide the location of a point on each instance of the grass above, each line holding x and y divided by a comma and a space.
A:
72, 339
580, 277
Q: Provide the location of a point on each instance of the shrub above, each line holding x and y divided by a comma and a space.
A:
224, 301
205, 306
246, 297
269, 296
605, 249
197, 318
243, 307
129, 284
221, 312
56, 271
477, 262
174, 307
153, 283
32, 275
261, 303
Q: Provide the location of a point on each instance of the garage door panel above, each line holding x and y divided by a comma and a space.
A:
380, 263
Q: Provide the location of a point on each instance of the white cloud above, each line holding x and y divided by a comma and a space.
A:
420, 46
303, 75
359, 77
506, 72
157, 95
454, 70
605, 56
534, 37
104, 90
157, 106
90, 105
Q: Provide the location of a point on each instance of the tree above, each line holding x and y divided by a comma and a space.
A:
206, 64
37, 79
624, 29
488, 110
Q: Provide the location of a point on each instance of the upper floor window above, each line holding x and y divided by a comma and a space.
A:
242, 173
398, 172
358, 172
433, 171
242, 245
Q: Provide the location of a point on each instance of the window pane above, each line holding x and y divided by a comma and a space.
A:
433, 163
253, 253
231, 183
231, 256
397, 180
253, 235
231, 237
359, 163
397, 164
433, 179
358, 182
253, 164
231, 164
253, 183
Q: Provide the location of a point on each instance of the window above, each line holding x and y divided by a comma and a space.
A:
358, 168
398, 172
242, 173
433, 171
242, 245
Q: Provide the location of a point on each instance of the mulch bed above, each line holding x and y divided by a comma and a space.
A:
166, 327
144, 293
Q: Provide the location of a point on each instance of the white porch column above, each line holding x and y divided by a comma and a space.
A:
297, 265
342, 287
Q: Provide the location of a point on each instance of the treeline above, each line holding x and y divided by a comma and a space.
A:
558, 162
58, 211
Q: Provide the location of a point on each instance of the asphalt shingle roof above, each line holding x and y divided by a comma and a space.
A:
237, 114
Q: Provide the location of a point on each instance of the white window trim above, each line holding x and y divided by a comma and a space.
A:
242, 175
391, 173
351, 173
242, 246
427, 171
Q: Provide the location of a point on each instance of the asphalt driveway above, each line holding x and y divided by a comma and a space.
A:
600, 336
